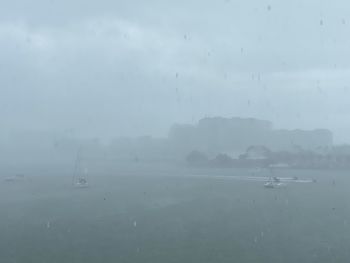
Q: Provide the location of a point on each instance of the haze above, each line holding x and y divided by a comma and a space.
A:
114, 68
174, 131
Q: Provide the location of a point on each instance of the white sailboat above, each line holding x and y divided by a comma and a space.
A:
79, 178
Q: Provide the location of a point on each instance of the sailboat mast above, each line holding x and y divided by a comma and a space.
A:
76, 166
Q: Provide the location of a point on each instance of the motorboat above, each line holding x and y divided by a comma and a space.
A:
274, 182
269, 185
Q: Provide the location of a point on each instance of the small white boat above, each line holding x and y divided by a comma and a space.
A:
269, 185
81, 183
274, 184
79, 179
14, 178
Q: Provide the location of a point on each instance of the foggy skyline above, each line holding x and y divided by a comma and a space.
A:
117, 68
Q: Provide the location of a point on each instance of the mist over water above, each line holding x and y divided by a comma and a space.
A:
187, 131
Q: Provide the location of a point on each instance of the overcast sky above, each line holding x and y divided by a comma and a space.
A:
110, 68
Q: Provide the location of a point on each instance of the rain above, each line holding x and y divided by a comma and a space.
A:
181, 131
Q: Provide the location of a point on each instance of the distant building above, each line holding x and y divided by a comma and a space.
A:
235, 135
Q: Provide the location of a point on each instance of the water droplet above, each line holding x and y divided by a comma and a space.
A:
135, 224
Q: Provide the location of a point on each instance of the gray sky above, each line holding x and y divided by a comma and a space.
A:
111, 68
